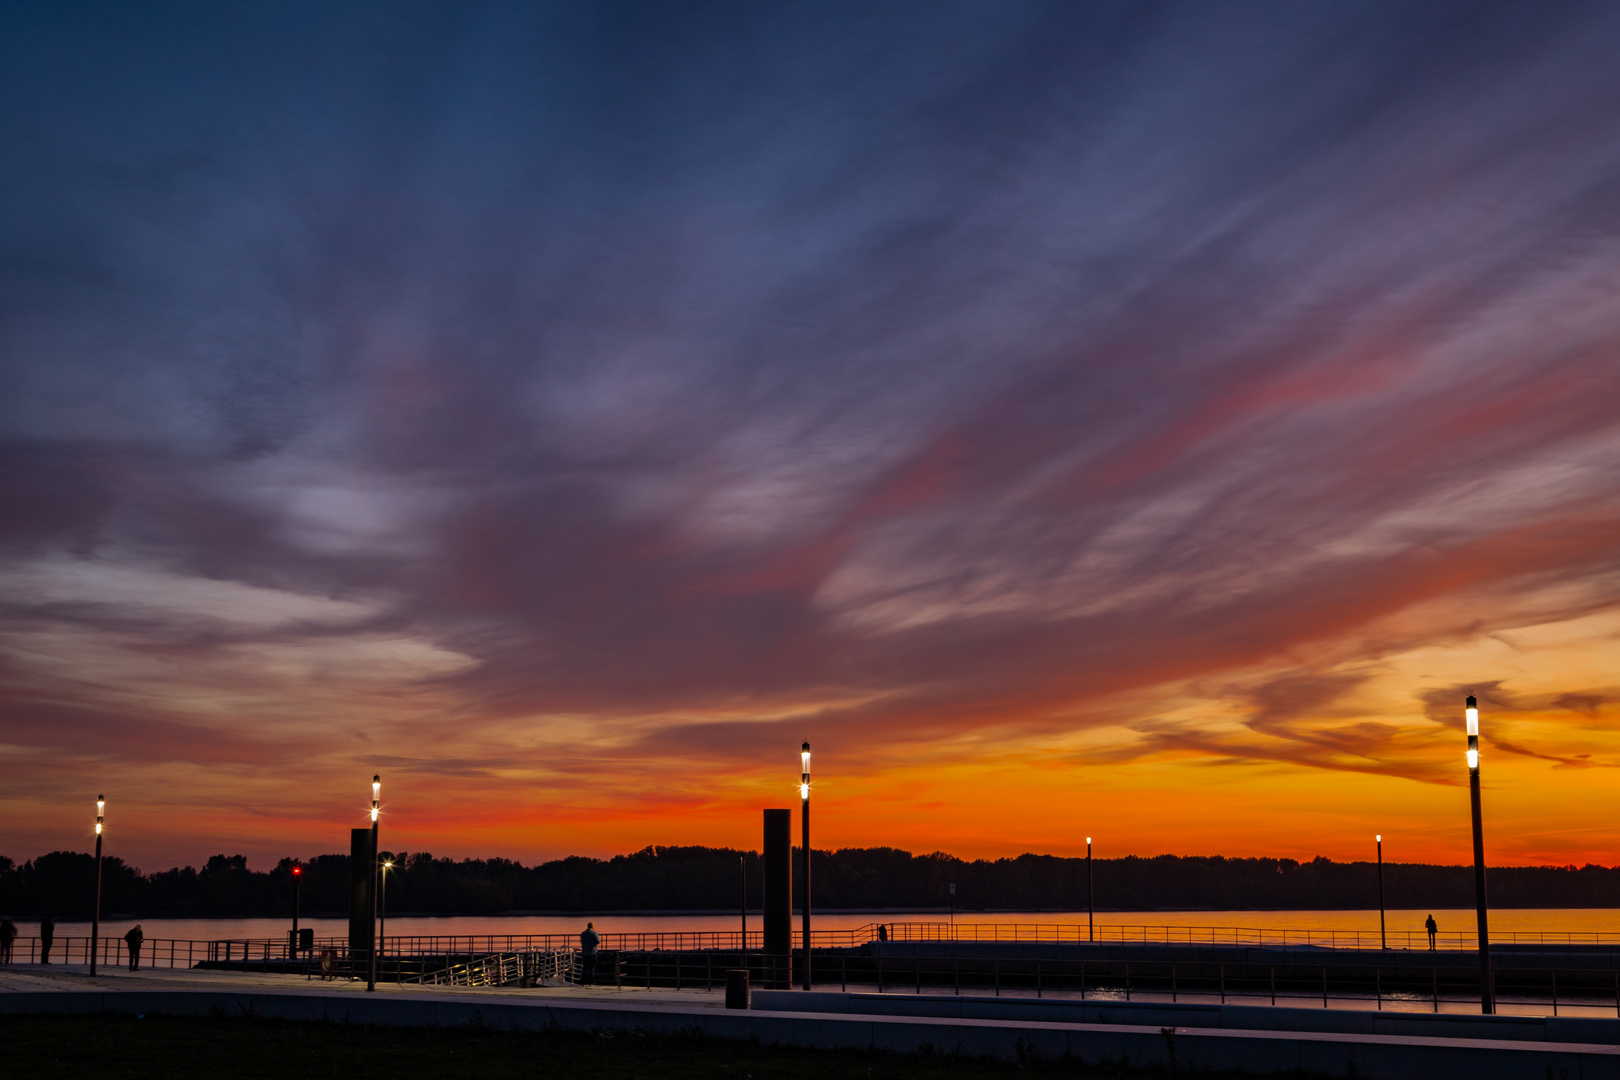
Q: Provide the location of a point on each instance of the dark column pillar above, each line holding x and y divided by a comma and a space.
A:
777, 870
360, 925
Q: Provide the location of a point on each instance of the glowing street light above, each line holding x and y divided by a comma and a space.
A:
95, 916
1379, 839
382, 931
1487, 993
804, 821
376, 803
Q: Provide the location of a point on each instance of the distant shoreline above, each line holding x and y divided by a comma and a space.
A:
755, 913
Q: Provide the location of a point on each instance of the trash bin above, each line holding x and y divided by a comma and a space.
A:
737, 988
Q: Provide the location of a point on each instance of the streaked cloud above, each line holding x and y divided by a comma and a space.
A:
569, 411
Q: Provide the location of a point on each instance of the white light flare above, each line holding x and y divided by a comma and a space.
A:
1473, 758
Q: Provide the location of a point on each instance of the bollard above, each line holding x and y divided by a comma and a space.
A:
737, 988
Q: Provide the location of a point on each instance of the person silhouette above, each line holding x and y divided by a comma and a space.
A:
47, 935
8, 934
588, 941
133, 939
1433, 928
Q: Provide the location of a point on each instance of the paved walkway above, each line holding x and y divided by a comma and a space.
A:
35, 978
26, 990
18, 978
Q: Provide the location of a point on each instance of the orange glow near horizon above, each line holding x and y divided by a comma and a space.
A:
990, 792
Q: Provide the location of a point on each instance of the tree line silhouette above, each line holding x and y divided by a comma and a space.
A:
62, 884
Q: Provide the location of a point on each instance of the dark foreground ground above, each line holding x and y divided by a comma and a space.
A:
112, 1048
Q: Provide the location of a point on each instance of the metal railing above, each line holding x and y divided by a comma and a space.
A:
502, 969
113, 951
177, 953
1406, 987
1243, 937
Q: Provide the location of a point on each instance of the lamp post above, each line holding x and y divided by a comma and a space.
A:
1487, 993
953, 911
95, 916
1382, 943
1091, 897
804, 821
382, 930
742, 863
376, 803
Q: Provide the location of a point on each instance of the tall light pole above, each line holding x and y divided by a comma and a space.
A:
95, 916
1487, 993
1091, 897
742, 862
1382, 943
804, 821
376, 803
382, 930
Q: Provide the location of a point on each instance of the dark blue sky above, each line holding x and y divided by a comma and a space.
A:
527, 398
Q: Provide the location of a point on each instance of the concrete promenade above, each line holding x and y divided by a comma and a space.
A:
1000, 1028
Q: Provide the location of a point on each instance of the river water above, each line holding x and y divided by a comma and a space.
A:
1504, 922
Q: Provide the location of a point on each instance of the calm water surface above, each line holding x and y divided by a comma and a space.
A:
1507, 920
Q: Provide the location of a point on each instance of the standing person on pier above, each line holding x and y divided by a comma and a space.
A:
133, 939
588, 941
1433, 929
47, 935
8, 934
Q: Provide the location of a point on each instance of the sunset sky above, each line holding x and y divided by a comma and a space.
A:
1138, 420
